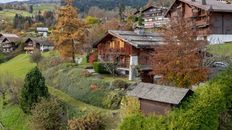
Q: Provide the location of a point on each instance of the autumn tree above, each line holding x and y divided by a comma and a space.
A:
180, 60
69, 31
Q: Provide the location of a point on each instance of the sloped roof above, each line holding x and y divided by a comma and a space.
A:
138, 40
159, 93
40, 41
145, 9
8, 35
11, 39
211, 5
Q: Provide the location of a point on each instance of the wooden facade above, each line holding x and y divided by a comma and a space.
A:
129, 49
114, 49
148, 107
32, 43
153, 16
204, 16
9, 44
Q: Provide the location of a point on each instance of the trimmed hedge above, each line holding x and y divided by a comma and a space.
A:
202, 111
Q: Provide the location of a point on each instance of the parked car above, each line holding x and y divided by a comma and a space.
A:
220, 65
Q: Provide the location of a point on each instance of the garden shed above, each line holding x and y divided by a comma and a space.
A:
158, 99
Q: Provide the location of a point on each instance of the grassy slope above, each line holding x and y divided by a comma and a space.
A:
222, 49
8, 14
19, 66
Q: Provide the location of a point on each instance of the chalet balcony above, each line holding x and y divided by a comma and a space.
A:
202, 23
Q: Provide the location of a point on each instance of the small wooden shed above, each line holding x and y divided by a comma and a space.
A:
158, 99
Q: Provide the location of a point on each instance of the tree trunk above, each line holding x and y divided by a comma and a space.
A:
73, 52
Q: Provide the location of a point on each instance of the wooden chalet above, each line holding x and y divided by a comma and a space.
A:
210, 19
129, 49
153, 16
8, 42
37, 43
158, 99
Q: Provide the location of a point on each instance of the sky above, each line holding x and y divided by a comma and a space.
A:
5, 1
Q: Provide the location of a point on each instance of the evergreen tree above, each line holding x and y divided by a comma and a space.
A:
31, 9
34, 89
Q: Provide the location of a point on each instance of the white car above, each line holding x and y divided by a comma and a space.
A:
220, 65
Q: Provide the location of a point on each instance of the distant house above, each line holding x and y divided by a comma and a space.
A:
153, 16
37, 43
210, 19
129, 49
8, 42
158, 99
43, 31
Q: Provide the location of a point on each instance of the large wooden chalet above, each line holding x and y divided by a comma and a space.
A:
8, 42
158, 99
129, 49
153, 16
37, 43
211, 19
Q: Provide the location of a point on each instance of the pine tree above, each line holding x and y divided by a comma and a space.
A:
34, 89
69, 31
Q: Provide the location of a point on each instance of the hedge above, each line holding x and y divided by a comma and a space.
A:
100, 68
202, 111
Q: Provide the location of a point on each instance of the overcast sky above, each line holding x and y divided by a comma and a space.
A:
4, 1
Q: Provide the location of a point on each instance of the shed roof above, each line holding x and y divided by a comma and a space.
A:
138, 40
211, 5
159, 93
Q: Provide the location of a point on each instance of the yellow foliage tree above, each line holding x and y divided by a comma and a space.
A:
69, 31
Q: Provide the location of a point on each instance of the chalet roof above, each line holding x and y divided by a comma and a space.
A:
211, 5
11, 39
8, 35
39, 41
145, 9
138, 40
159, 93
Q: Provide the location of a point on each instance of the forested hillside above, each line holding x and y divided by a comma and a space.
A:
108, 4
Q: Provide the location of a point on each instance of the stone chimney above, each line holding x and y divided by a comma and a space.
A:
203, 2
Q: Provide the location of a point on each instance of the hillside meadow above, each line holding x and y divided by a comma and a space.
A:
11, 113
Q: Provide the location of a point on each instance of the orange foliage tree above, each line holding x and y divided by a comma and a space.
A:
180, 60
69, 31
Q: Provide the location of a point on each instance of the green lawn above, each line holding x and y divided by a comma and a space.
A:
222, 49
45, 7
8, 14
13, 118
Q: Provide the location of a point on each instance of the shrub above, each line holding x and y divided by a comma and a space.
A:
119, 84
99, 68
34, 88
9, 85
113, 99
129, 106
92, 121
48, 114
36, 56
202, 111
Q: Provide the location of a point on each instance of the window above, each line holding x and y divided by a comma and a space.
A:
121, 44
